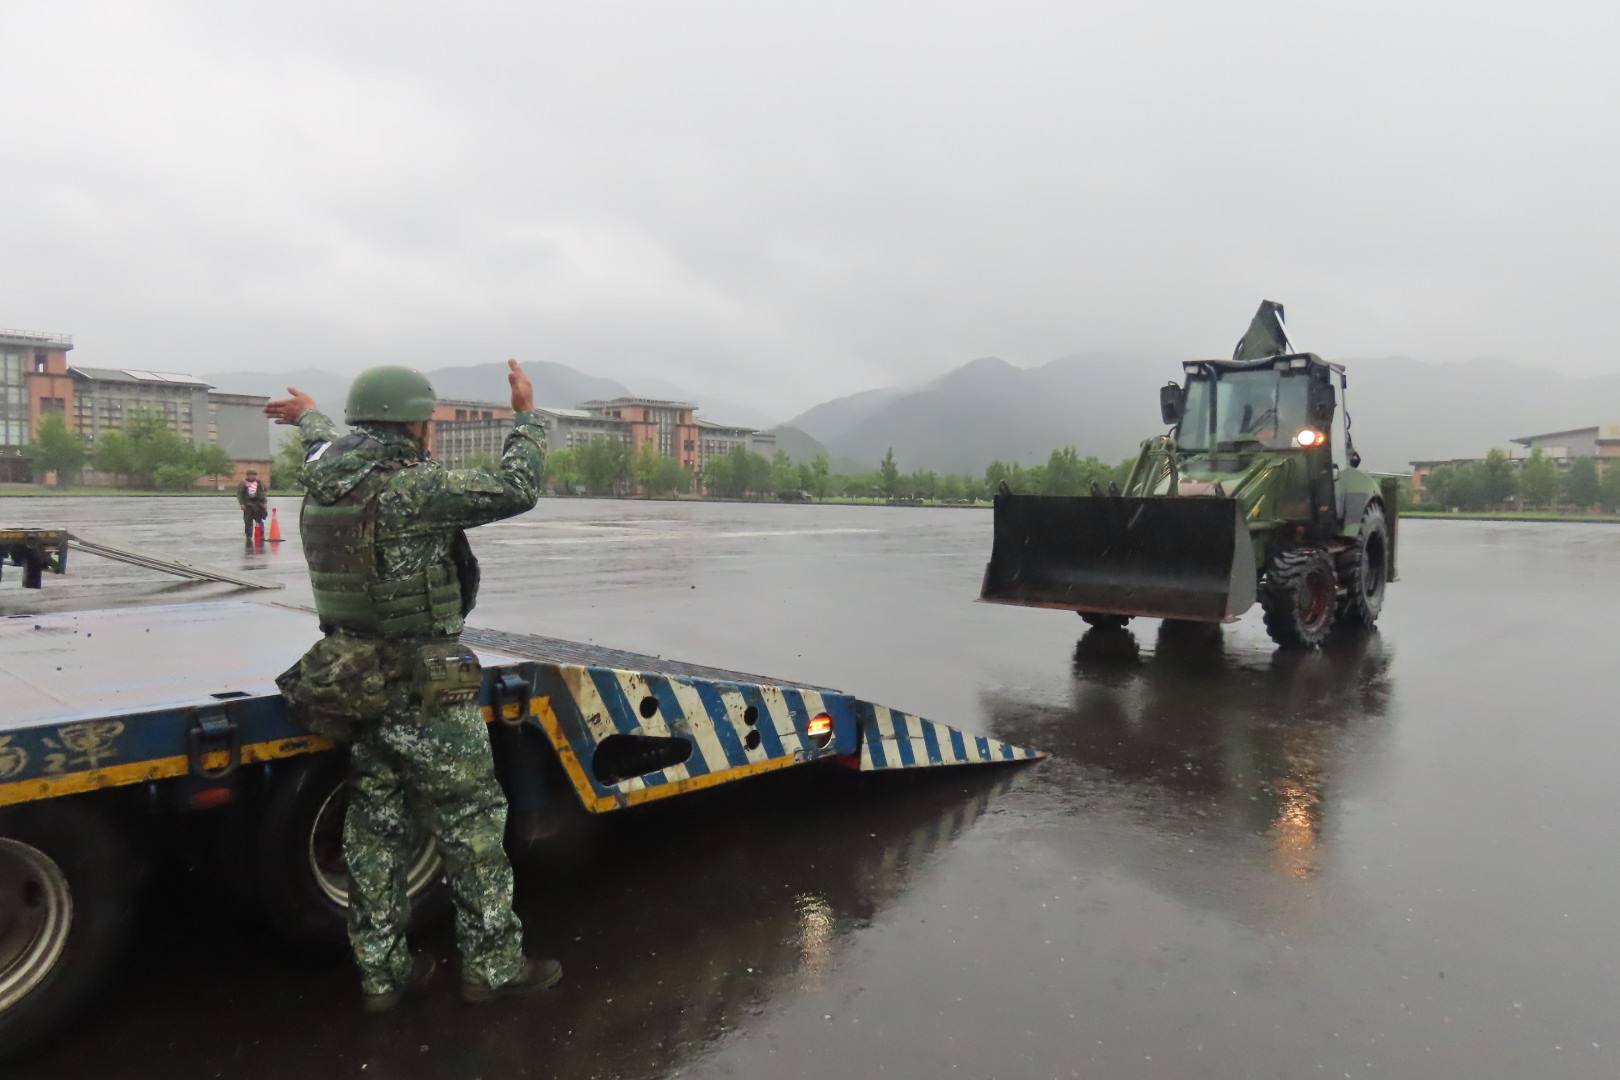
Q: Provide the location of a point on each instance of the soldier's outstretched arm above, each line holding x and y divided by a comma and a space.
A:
314, 426
467, 497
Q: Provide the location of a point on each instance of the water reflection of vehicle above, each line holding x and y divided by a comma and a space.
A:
706, 919
1243, 751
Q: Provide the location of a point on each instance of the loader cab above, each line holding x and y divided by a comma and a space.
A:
1238, 415
1278, 404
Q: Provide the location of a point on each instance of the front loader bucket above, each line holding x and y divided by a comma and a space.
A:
1171, 557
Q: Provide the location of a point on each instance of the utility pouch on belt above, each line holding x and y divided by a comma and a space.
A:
337, 688
448, 673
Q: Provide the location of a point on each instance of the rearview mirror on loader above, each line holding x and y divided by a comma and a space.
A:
1171, 399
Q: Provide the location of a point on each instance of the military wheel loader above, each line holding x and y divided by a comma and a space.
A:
1254, 493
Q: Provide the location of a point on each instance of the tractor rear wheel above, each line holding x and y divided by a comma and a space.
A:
1101, 621
1362, 573
1298, 597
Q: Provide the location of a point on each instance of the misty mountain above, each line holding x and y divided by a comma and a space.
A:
833, 418
796, 444
1104, 405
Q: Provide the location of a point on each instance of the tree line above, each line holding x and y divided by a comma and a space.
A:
146, 454
607, 467
1497, 482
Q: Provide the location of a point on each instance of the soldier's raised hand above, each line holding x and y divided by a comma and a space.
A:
522, 388
288, 410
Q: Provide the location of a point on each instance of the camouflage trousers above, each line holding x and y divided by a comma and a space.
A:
427, 766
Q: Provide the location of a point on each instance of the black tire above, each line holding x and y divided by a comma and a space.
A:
1363, 570
67, 895
303, 880
1099, 621
1298, 597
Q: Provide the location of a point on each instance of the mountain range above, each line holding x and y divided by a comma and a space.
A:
1103, 404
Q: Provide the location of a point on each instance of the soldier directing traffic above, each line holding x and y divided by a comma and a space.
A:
250, 496
383, 530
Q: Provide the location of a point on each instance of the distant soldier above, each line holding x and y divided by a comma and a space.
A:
393, 577
250, 496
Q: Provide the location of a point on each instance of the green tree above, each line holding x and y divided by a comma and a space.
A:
645, 466
925, 484
1538, 479
213, 461
784, 475
1609, 486
604, 464
753, 472
1499, 480
820, 484
951, 488
1580, 487
175, 476
114, 455
673, 477
717, 477
889, 473
56, 449
289, 459
562, 470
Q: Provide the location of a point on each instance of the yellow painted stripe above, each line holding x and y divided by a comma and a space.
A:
21, 791
601, 803
141, 772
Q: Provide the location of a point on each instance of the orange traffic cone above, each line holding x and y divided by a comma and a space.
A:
275, 528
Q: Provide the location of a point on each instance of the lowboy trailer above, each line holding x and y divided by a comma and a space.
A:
117, 721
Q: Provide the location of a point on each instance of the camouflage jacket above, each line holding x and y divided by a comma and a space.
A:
423, 506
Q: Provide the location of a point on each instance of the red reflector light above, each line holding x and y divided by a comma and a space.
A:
820, 729
211, 798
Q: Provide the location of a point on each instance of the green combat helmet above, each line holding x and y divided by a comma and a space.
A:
393, 393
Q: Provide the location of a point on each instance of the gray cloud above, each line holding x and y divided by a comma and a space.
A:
785, 202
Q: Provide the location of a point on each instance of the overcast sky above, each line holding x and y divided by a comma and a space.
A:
782, 201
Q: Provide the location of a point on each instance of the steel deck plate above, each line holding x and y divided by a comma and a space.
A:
71, 666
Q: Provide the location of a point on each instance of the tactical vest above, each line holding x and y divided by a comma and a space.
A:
340, 544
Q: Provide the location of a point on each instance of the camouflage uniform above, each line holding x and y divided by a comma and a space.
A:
423, 763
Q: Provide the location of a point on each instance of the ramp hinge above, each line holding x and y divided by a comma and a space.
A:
213, 732
512, 693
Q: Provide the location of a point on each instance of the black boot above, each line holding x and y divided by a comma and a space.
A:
421, 972
533, 975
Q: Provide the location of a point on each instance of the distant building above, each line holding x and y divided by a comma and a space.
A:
33, 382
1602, 441
718, 441
36, 381
466, 429
669, 426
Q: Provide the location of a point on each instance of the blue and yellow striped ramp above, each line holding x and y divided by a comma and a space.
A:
722, 731
891, 739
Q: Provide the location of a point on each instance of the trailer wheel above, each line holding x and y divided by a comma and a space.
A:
1100, 621
67, 891
1362, 573
1298, 597
303, 879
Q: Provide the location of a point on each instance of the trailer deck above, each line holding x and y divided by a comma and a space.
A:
109, 698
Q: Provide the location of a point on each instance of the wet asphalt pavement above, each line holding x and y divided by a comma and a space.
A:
1395, 857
